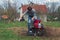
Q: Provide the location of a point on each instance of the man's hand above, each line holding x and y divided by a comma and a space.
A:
21, 16
32, 18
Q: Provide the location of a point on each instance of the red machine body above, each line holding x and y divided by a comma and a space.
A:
37, 23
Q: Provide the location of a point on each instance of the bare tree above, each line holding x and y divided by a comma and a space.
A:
59, 12
1, 11
51, 10
10, 10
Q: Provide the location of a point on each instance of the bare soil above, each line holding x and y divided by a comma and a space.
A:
50, 31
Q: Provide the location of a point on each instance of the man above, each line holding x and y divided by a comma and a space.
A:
31, 15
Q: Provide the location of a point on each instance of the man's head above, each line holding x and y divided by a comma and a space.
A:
29, 8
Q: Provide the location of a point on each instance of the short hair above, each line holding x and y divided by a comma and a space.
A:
29, 8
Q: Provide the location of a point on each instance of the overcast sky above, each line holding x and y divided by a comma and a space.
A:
35, 1
26, 1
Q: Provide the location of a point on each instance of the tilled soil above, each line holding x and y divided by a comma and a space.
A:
50, 31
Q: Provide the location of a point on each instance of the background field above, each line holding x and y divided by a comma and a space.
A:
7, 34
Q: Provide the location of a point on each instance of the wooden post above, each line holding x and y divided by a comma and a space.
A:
45, 18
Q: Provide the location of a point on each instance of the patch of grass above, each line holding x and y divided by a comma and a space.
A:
33, 38
10, 35
13, 24
7, 35
24, 24
52, 23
